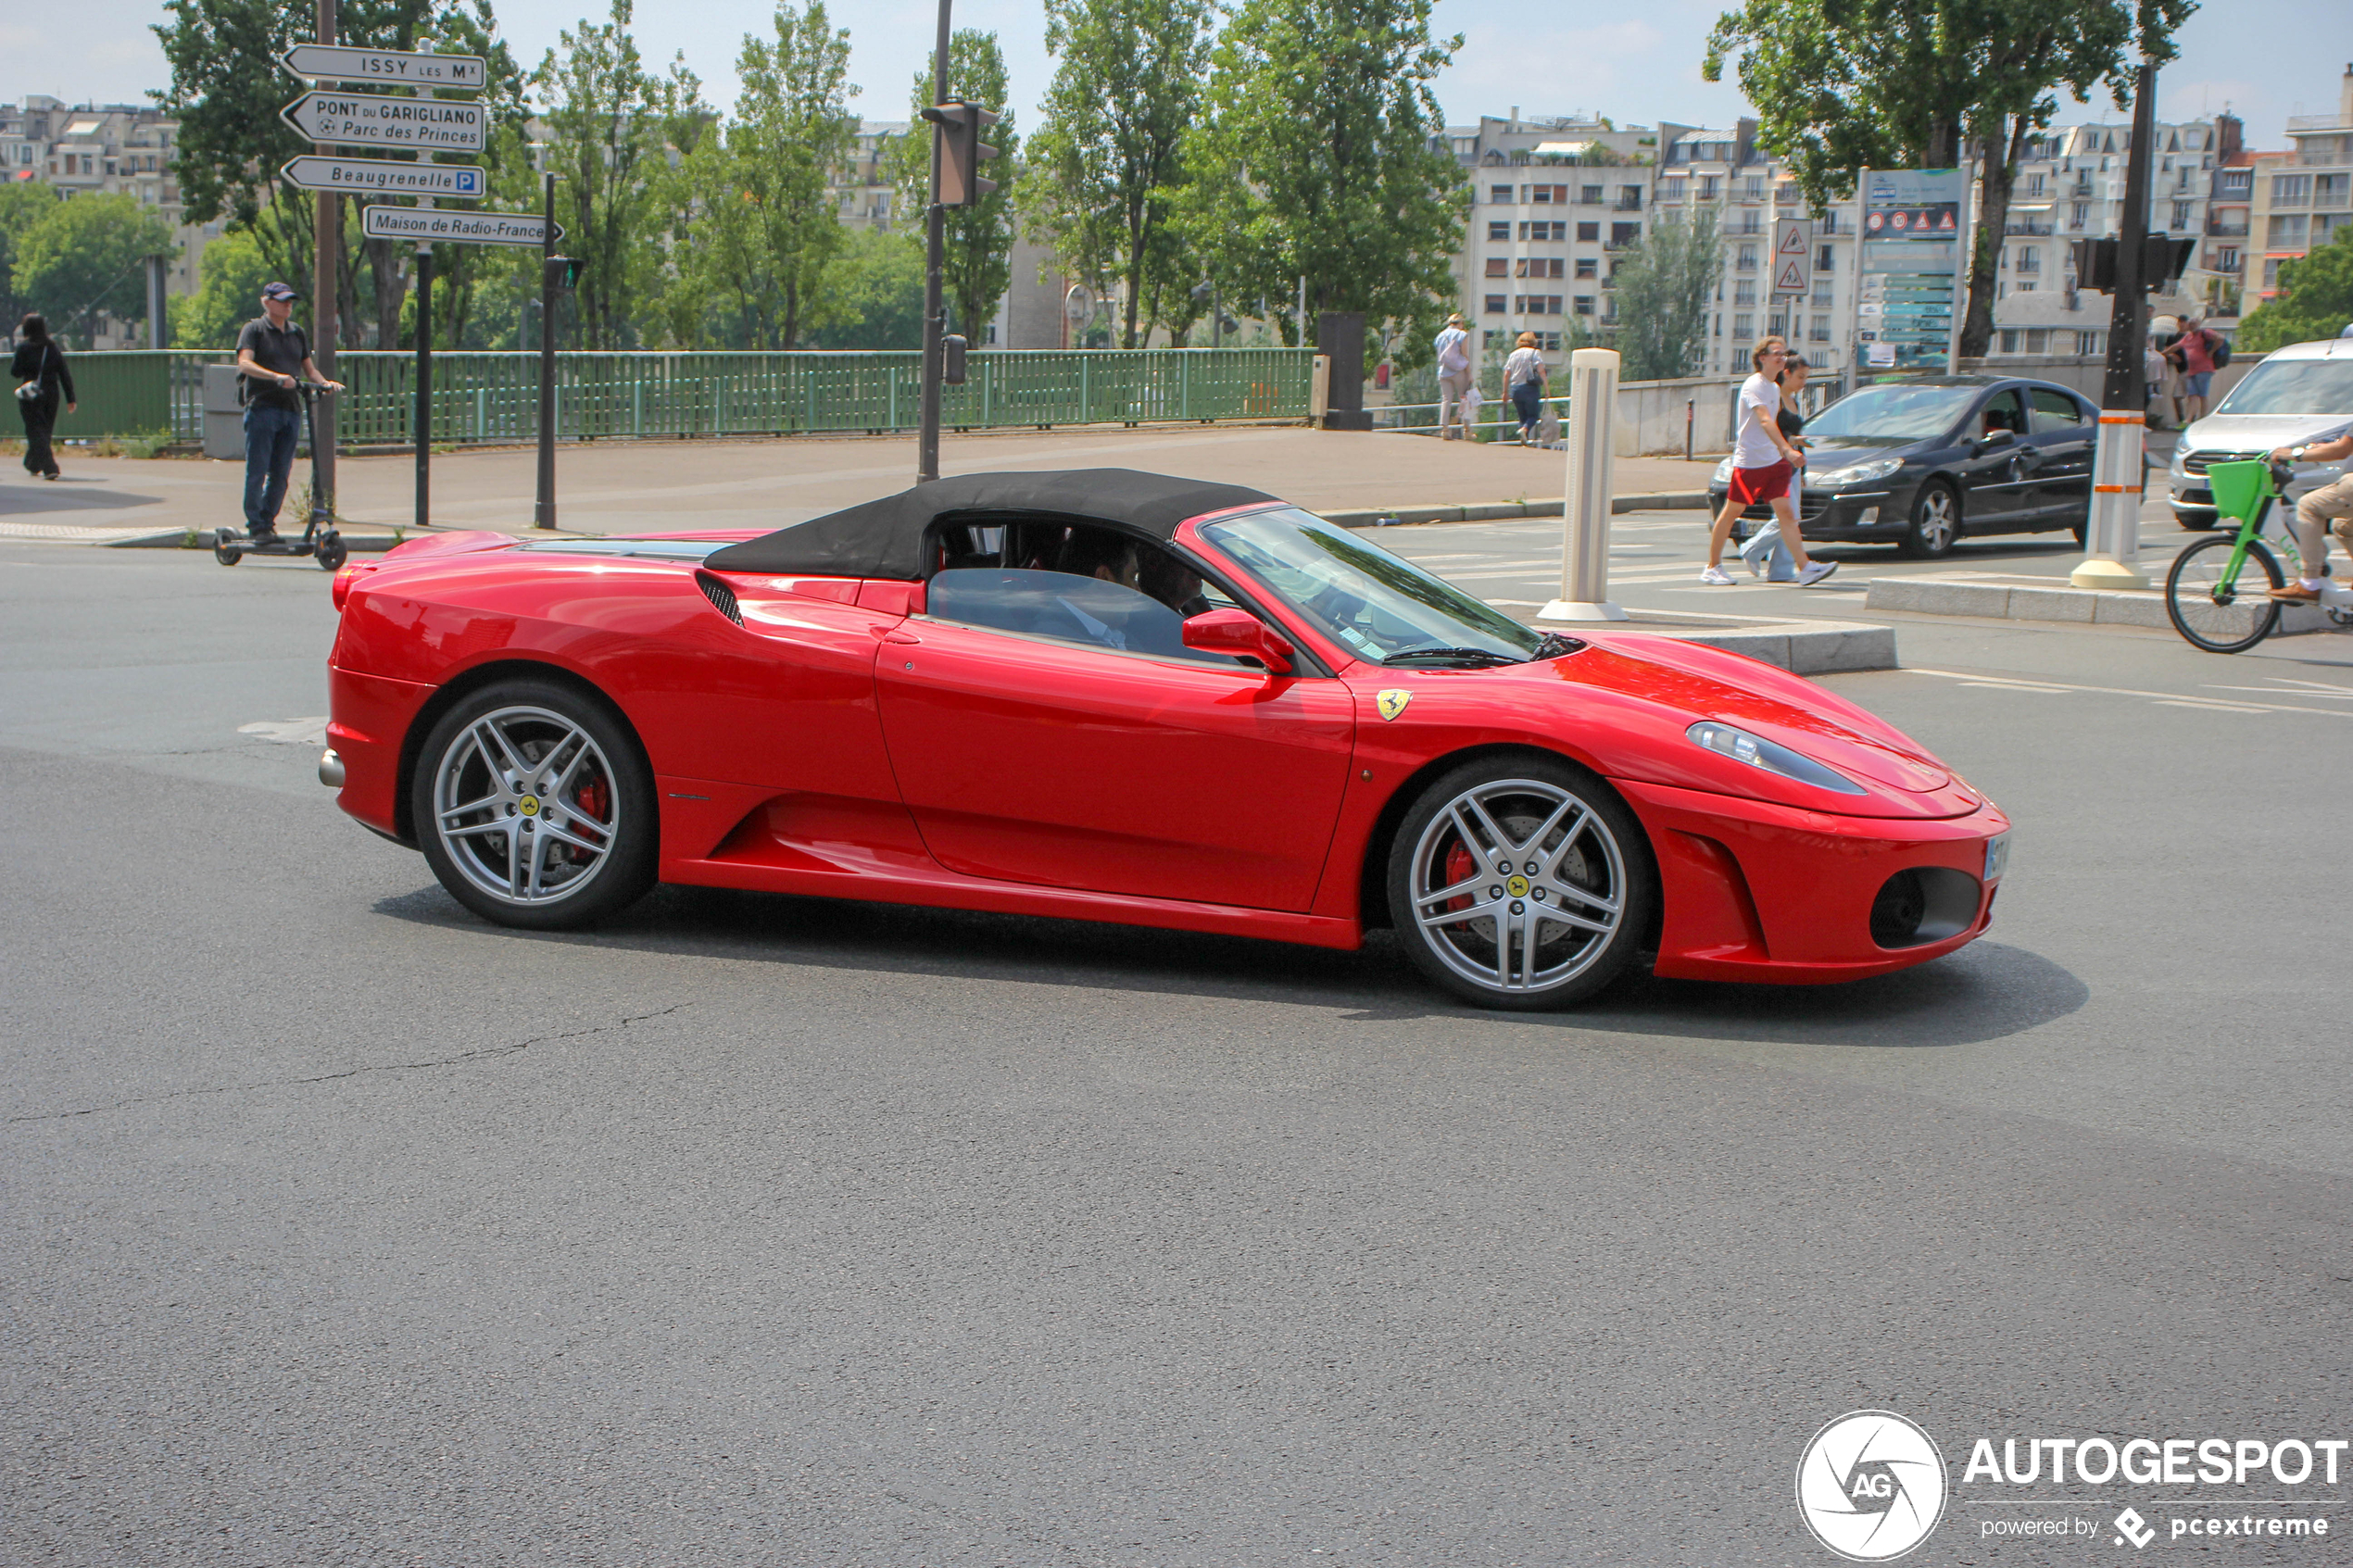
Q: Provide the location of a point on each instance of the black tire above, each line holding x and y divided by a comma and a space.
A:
1935, 523
332, 551
606, 845
223, 551
2214, 620
2198, 522
1586, 850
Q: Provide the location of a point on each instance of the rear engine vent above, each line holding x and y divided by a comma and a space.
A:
722, 598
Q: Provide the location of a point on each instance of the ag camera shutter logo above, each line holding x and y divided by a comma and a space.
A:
1870, 1485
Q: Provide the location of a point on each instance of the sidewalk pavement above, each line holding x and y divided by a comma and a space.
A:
616, 487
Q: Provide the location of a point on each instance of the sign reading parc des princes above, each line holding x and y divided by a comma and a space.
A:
1872, 1486
367, 119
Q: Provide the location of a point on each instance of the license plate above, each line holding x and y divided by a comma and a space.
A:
1997, 856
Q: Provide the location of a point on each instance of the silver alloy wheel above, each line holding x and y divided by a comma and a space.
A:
1517, 885
524, 805
1938, 522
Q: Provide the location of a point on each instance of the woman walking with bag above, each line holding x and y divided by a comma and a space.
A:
1524, 378
39, 370
1767, 545
1763, 464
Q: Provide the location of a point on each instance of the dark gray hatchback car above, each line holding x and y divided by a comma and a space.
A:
1920, 462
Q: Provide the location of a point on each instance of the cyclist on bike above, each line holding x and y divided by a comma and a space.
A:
2329, 504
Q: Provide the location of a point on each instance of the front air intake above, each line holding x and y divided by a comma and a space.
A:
1923, 905
722, 598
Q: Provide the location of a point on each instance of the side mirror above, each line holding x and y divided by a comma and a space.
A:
1994, 438
1239, 635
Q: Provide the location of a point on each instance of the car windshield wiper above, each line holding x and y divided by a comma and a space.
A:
1484, 655
1553, 645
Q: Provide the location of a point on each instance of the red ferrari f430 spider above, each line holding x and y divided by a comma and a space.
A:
1112, 696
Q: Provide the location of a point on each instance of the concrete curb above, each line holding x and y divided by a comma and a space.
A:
1381, 517
1802, 648
180, 539
2097, 607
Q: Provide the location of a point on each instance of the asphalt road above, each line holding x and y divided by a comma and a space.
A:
340, 1227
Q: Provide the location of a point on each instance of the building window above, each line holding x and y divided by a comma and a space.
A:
1745, 259
1629, 198
2271, 274
1820, 330
2291, 190
1540, 267
1587, 267
1622, 234
2235, 183
2287, 232
1588, 232
1499, 230
2330, 190
1543, 231
1708, 185
2091, 342
2009, 341
1745, 291
1719, 323
2034, 185
1671, 190
1496, 265
2030, 259
1753, 188
1493, 338
2180, 215
2080, 211
1549, 342
1497, 195
1825, 260
1821, 296
1743, 326
2026, 288
1494, 304
1777, 325
1584, 305
1589, 196
1751, 223
2226, 259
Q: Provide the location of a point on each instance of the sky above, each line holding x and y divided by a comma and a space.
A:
2265, 60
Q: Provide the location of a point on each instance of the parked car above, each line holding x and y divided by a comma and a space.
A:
1110, 696
1920, 462
2298, 395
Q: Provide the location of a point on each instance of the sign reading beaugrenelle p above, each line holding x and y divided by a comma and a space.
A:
364, 120
455, 228
462, 181
325, 62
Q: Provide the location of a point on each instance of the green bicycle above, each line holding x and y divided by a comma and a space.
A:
2206, 593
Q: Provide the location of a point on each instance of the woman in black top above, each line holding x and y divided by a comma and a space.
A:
39, 369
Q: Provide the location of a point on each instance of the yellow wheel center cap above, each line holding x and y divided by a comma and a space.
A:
1517, 886
530, 805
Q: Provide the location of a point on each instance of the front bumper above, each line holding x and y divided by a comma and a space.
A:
1780, 895
1862, 516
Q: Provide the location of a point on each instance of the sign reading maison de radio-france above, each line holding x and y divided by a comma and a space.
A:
423, 223
359, 119
462, 182
325, 62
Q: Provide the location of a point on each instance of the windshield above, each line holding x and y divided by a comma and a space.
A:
1893, 413
1384, 610
2294, 386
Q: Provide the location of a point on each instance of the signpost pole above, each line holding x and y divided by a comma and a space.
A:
424, 381
542, 512
325, 293
934, 290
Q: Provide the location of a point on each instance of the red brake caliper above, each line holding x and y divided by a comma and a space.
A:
1459, 865
591, 799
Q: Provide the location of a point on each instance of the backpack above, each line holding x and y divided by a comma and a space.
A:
2217, 349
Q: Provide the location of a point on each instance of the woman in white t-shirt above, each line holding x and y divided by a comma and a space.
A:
1524, 377
1763, 464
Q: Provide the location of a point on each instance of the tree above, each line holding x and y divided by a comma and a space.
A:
874, 293
2315, 300
23, 202
229, 275
1106, 151
610, 123
1664, 286
1845, 85
977, 256
763, 225
1314, 159
85, 255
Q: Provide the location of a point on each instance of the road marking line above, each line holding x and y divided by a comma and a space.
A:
2175, 698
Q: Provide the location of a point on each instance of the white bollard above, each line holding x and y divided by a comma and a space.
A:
1592, 437
2113, 542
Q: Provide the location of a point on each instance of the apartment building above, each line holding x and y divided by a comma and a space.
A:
2303, 197
122, 149
861, 188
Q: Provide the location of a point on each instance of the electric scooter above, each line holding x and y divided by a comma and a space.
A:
319, 540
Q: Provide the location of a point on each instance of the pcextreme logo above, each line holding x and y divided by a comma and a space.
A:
1870, 1485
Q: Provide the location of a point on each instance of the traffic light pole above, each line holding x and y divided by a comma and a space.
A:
2112, 528
934, 281
2125, 386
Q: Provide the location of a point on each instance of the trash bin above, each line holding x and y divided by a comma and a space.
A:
224, 427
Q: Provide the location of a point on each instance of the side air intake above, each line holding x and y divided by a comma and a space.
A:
722, 598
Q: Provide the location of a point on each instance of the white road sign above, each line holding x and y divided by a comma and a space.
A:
455, 228
1793, 256
361, 119
462, 181
325, 62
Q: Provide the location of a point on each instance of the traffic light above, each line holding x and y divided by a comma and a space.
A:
2162, 261
563, 274
952, 360
961, 151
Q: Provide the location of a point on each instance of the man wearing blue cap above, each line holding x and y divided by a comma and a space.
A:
274, 356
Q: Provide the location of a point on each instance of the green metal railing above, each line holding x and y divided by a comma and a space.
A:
482, 397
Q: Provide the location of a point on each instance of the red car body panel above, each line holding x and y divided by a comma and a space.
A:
840, 743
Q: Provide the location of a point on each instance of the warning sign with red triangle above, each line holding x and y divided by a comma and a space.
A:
1792, 241
1791, 279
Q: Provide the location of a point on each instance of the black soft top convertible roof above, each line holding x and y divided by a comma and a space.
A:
887, 537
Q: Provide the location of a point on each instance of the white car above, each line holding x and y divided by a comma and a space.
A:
2298, 395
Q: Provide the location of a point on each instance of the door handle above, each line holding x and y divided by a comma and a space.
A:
892, 634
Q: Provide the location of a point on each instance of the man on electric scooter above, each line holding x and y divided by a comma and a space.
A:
2329, 504
274, 354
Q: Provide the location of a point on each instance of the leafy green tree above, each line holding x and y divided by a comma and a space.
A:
874, 293
85, 256
610, 123
1665, 287
23, 202
229, 279
977, 255
1844, 86
1107, 149
2315, 300
1314, 159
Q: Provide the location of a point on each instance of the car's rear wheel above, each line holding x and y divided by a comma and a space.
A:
1936, 523
1521, 882
535, 807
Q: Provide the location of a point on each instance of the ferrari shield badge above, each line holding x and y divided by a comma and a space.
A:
1391, 703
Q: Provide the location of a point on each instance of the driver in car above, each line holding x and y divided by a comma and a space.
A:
2329, 504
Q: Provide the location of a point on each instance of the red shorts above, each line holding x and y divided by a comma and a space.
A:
1753, 487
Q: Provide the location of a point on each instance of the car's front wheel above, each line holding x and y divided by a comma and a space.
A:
1936, 523
535, 807
1521, 882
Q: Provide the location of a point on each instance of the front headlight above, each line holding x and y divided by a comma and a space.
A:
1723, 473
1861, 473
1759, 752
